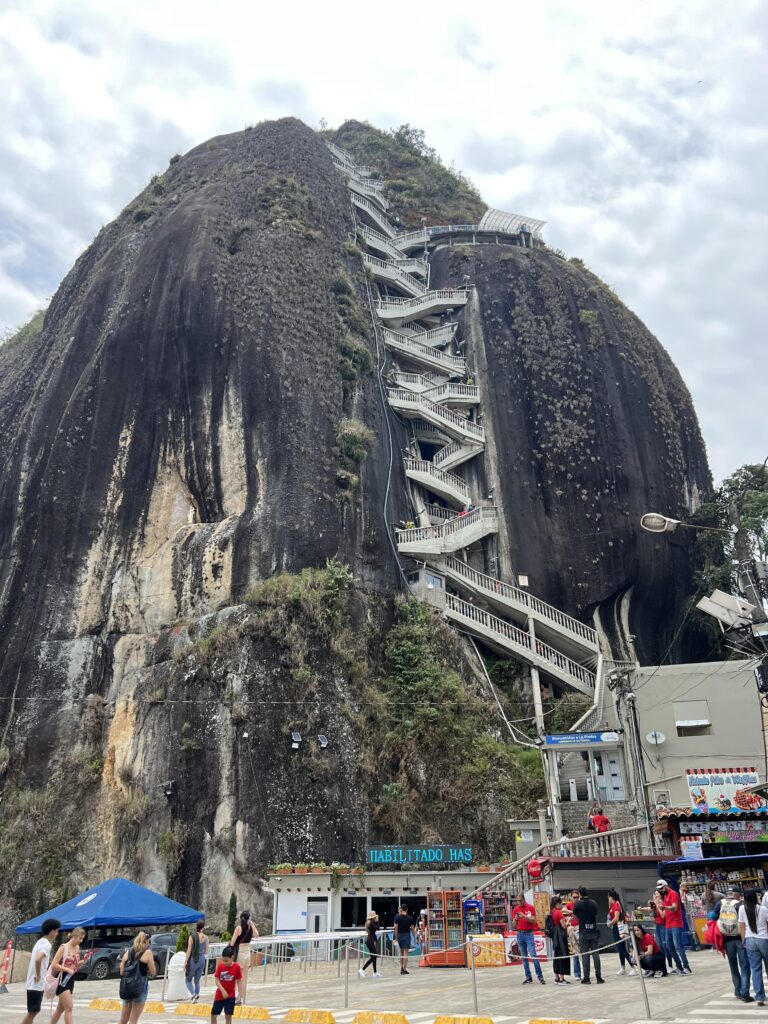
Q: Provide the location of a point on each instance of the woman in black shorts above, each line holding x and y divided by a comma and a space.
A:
64, 967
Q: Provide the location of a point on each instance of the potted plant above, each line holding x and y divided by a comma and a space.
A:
338, 870
319, 867
284, 869
483, 867
301, 869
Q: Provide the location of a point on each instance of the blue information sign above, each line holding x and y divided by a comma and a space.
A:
574, 739
427, 855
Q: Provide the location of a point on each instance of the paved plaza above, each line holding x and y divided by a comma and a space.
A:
706, 997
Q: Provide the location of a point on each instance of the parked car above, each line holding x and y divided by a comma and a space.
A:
163, 945
103, 954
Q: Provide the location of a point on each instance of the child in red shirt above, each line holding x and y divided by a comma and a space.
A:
226, 976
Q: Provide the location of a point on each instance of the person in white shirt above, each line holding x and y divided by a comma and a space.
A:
753, 927
38, 968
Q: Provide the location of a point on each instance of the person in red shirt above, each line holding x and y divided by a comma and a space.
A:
524, 923
661, 931
558, 933
673, 923
226, 976
599, 821
651, 957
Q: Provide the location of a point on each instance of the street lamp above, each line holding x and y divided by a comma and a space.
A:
655, 522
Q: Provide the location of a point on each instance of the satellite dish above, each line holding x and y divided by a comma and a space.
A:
656, 737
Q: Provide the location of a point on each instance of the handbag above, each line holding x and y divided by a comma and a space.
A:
51, 984
623, 930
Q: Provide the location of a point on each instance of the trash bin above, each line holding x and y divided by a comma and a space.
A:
176, 985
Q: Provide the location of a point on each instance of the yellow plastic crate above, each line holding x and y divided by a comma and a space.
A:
310, 1017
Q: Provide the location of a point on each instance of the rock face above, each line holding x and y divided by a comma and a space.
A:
190, 421
592, 426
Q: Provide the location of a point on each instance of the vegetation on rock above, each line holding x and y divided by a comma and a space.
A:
31, 331
417, 181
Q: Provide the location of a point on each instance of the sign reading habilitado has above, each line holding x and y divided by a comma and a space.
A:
427, 855
721, 790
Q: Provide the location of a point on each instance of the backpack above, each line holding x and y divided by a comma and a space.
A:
132, 982
549, 927
728, 922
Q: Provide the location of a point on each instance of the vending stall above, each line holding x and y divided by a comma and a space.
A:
445, 929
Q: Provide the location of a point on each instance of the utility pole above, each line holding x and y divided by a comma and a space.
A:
621, 684
746, 575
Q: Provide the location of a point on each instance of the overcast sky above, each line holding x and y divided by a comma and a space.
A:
637, 130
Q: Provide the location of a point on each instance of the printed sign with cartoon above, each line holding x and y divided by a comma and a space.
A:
720, 790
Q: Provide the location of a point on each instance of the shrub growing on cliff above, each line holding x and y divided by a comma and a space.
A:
31, 331
354, 441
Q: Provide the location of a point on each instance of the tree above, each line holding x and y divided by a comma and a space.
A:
232, 913
740, 503
183, 939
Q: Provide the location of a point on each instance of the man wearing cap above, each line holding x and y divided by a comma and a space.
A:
673, 922
727, 916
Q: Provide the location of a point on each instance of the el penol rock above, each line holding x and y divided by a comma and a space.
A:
301, 421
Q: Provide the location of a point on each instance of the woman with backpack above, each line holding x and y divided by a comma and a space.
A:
136, 968
727, 923
556, 929
60, 980
241, 943
197, 948
620, 932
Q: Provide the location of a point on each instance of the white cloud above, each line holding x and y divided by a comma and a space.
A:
636, 130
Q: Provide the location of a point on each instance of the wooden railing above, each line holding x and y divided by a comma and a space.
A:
520, 597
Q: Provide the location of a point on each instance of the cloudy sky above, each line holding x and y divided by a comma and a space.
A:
636, 129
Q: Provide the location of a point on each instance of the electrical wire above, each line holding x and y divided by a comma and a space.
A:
672, 642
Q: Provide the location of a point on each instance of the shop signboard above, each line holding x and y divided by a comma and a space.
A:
726, 831
582, 739
425, 855
722, 790
691, 848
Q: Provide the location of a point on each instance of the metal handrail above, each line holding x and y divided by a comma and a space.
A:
457, 390
451, 449
366, 204
367, 189
447, 294
485, 513
410, 236
534, 604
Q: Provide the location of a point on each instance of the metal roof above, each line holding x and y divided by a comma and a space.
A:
510, 223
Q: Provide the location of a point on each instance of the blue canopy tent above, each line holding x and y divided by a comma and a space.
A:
116, 902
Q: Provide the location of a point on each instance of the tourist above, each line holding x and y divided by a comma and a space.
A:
753, 928
371, 927
64, 967
591, 813
650, 955
673, 923
241, 945
524, 923
558, 933
197, 948
618, 923
573, 935
38, 968
711, 896
227, 977
599, 821
136, 968
657, 906
403, 936
585, 912
727, 916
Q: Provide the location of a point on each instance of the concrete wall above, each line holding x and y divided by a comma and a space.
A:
735, 737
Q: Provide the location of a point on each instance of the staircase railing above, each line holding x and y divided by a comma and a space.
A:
454, 448
409, 237
622, 842
408, 345
449, 479
469, 391
398, 396
480, 581
392, 268
486, 514
539, 651
453, 295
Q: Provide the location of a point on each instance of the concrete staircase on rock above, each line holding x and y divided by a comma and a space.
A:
432, 391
